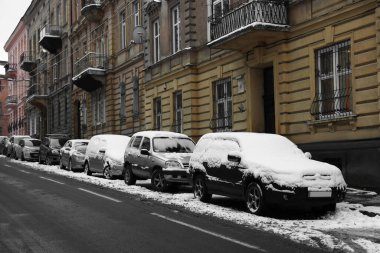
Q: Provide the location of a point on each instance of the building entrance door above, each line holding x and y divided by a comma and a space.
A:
269, 109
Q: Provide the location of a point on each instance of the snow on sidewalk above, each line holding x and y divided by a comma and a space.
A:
323, 232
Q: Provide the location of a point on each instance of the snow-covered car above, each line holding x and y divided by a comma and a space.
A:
160, 156
263, 169
50, 147
28, 149
104, 154
3, 141
72, 154
15, 144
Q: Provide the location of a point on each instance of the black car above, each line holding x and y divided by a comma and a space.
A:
50, 148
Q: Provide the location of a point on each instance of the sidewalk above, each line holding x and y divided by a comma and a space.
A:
369, 199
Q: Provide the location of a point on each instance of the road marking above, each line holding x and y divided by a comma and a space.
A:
100, 195
52, 180
210, 233
24, 171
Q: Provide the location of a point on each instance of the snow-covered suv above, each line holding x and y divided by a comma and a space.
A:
263, 169
161, 156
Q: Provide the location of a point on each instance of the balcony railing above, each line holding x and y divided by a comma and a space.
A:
26, 56
92, 9
51, 30
11, 100
92, 2
36, 90
263, 12
27, 61
332, 105
90, 61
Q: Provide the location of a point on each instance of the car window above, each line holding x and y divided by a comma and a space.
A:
137, 141
32, 143
131, 141
173, 145
80, 144
81, 148
146, 144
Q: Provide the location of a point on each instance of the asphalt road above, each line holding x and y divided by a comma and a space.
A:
40, 212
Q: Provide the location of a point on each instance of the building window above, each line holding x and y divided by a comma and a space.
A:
156, 41
220, 7
222, 105
123, 42
135, 96
122, 101
178, 116
157, 114
176, 29
59, 112
136, 7
333, 82
98, 105
83, 112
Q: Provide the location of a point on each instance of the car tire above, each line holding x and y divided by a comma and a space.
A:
158, 181
254, 199
107, 172
70, 165
39, 159
200, 189
22, 156
61, 166
129, 178
87, 169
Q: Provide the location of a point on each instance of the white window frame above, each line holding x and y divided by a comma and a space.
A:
178, 112
123, 25
156, 41
98, 103
158, 113
136, 12
176, 22
226, 102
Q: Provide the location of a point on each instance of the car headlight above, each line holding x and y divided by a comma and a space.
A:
173, 165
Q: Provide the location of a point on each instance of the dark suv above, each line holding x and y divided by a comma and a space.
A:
50, 147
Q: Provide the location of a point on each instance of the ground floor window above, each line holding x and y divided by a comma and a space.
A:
157, 113
98, 106
178, 117
222, 105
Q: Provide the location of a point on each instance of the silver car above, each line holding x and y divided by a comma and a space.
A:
160, 156
15, 144
72, 154
28, 149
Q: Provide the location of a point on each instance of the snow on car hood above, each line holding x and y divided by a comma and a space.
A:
182, 157
294, 171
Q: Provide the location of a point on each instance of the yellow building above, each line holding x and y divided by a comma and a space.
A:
306, 69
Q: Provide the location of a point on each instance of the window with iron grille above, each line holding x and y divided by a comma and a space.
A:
333, 82
178, 117
176, 29
222, 105
157, 113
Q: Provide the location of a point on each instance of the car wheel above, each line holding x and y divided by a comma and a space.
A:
129, 178
61, 166
15, 156
158, 181
39, 159
254, 199
200, 189
69, 166
107, 172
22, 156
87, 169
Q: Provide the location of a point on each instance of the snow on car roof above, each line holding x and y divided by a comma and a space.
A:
152, 134
79, 140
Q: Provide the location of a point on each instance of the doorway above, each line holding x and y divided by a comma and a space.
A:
269, 106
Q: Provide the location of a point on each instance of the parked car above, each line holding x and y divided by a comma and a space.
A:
15, 144
160, 156
50, 147
104, 154
7, 147
3, 140
72, 154
28, 149
263, 169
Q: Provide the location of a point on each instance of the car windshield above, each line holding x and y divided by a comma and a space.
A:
81, 148
32, 143
173, 145
57, 143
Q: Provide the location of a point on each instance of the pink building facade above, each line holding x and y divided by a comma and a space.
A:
4, 121
18, 82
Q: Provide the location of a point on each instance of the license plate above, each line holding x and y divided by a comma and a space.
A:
316, 194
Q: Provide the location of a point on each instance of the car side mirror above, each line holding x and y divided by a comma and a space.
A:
236, 158
102, 150
308, 155
144, 152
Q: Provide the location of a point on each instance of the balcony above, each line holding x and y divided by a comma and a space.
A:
27, 61
51, 38
92, 9
248, 23
11, 101
10, 70
89, 71
37, 95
